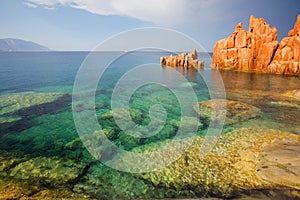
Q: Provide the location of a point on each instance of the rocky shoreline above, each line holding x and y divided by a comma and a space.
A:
247, 162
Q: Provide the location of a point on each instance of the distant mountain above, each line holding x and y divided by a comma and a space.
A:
10, 44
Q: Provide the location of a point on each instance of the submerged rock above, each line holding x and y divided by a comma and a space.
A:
30, 189
294, 94
17, 108
234, 164
257, 49
279, 163
103, 182
51, 171
91, 147
186, 60
107, 120
235, 111
15, 102
10, 159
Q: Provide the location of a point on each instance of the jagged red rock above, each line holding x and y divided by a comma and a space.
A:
287, 56
258, 50
183, 60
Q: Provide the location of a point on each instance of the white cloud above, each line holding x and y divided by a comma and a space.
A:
31, 5
160, 12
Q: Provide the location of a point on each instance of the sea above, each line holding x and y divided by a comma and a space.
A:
43, 147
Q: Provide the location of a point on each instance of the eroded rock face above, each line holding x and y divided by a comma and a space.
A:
183, 60
233, 111
257, 49
287, 56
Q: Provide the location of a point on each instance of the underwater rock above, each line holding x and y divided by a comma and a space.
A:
11, 189
108, 122
280, 163
15, 108
96, 143
186, 122
103, 182
236, 112
232, 166
127, 141
284, 104
186, 60
48, 170
14, 102
10, 159
30, 189
294, 94
297, 94
8, 119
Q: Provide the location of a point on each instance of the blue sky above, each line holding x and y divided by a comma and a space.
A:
82, 24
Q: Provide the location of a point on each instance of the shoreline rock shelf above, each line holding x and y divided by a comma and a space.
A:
185, 60
258, 49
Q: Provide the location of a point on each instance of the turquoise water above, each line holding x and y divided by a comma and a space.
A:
37, 121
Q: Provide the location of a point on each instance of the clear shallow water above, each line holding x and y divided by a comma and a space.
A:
36, 114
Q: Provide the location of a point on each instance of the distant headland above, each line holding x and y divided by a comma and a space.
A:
14, 45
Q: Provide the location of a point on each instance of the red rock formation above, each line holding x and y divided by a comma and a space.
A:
287, 56
257, 49
183, 60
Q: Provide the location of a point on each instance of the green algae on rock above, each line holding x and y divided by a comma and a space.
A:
10, 159
16, 109
121, 185
14, 102
96, 143
215, 110
285, 104
31, 189
107, 119
49, 170
229, 169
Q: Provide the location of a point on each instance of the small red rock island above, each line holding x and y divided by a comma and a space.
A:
186, 60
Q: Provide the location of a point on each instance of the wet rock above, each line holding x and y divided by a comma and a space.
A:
214, 111
26, 190
14, 102
91, 147
107, 120
186, 60
186, 122
294, 94
10, 159
103, 182
17, 108
232, 165
48, 170
279, 163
